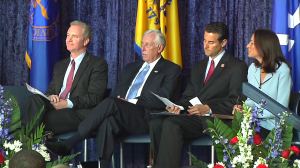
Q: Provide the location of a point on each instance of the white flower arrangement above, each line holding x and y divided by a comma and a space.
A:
24, 138
246, 148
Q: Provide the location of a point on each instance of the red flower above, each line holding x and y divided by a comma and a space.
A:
262, 166
286, 153
234, 140
218, 166
1, 158
257, 139
295, 149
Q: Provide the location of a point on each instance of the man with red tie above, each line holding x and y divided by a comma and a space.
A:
129, 108
216, 81
78, 85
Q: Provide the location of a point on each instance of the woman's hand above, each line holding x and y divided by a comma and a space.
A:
238, 108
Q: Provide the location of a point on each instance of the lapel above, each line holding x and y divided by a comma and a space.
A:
130, 73
84, 63
202, 68
155, 71
60, 76
218, 70
257, 76
268, 76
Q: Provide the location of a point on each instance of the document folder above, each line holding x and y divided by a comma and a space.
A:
272, 105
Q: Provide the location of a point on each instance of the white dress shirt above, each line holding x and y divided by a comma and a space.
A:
152, 65
77, 63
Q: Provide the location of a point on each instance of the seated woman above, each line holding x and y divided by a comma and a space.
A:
270, 72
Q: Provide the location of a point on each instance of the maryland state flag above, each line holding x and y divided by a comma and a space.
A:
43, 45
286, 24
162, 15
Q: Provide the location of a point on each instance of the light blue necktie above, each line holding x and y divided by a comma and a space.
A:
138, 82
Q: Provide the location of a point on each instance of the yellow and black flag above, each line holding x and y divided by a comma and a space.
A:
162, 15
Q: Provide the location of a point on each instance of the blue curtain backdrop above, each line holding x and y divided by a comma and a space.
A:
113, 25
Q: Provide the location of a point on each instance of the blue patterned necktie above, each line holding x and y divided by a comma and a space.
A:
138, 82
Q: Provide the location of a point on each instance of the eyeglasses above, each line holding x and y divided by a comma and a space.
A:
148, 45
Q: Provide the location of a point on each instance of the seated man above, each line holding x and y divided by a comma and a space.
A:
129, 108
27, 158
78, 84
216, 81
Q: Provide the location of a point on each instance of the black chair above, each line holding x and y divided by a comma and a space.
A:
21, 94
70, 134
294, 106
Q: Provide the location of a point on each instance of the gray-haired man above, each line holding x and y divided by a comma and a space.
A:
129, 108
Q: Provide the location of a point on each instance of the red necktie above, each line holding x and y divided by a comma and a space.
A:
210, 71
69, 82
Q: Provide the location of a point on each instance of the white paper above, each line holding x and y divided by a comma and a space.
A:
195, 101
35, 91
167, 101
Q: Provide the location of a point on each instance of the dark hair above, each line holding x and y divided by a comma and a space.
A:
267, 45
27, 158
219, 28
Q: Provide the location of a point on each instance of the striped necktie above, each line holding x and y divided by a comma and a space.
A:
138, 82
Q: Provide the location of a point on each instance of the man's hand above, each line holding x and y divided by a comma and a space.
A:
122, 98
54, 98
61, 104
199, 109
239, 108
173, 109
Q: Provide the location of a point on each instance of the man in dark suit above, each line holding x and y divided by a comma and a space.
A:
78, 84
216, 81
129, 108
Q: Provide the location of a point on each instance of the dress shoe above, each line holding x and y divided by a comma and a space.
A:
57, 148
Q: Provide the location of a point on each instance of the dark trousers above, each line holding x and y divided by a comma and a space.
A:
57, 121
112, 118
168, 135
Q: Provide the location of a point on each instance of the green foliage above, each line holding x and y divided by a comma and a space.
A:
217, 129
30, 134
220, 132
64, 160
197, 162
236, 122
15, 117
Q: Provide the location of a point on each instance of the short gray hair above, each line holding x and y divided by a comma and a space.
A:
159, 39
87, 31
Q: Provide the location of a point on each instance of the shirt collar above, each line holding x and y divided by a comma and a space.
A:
152, 64
218, 58
78, 59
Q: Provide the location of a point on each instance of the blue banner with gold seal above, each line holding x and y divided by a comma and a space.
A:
43, 45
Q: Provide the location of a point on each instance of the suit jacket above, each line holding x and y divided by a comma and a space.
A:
163, 80
277, 85
89, 84
223, 87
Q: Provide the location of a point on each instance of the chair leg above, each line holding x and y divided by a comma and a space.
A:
150, 157
121, 155
99, 163
212, 154
58, 158
113, 161
85, 151
190, 158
